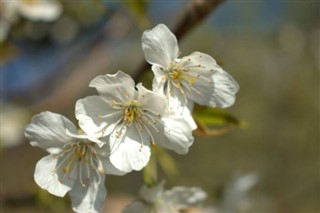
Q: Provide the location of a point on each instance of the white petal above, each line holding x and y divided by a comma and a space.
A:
219, 94
47, 177
127, 154
47, 130
198, 58
103, 154
176, 105
84, 136
159, 81
184, 197
42, 10
119, 86
89, 111
178, 133
90, 198
160, 46
217, 88
151, 101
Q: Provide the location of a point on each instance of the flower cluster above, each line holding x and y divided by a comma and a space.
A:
119, 126
157, 200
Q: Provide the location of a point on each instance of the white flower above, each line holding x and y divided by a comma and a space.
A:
236, 194
34, 10
8, 16
40, 10
133, 118
194, 78
75, 164
158, 200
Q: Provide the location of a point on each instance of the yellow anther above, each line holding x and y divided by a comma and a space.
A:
175, 75
131, 118
100, 116
65, 170
192, 80
81, 151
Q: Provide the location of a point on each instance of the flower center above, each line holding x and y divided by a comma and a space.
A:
131, 112
174, 71
80, 156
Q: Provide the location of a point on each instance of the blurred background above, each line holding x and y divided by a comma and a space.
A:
51, 50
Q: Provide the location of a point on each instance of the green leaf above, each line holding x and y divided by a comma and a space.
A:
214, 121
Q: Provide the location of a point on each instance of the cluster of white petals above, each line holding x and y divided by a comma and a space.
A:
194, 78
156, 199
75, 164
121, 124
134, 118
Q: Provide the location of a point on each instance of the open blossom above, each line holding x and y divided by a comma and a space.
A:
133, 117
75, 164
236, 194
194, 78
39, 10
34, 10
157, 200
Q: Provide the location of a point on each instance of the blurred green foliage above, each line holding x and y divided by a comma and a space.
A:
138, 10
215, 121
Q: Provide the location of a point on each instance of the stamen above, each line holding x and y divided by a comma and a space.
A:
98, 174
80, 173
140, 135
199, 93
64, 158
118, 130
152, 139
152, 113
116, 105
151, 124
87, 165
109, 115
74, 168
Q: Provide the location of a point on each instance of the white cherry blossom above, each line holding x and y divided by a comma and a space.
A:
34, 10
194, 78
158, 200
75, 164
134, 118
39, 10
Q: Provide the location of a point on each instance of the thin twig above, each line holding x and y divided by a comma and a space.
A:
196, 11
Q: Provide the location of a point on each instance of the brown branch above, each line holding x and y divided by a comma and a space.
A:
195, 13
74, 84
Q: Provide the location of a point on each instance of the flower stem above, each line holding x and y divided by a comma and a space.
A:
150, 172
